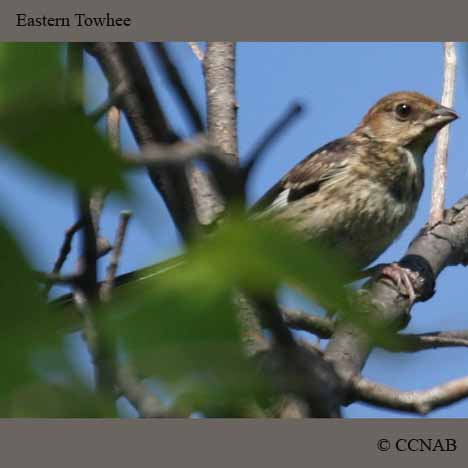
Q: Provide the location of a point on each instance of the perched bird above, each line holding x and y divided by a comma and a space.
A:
358, 193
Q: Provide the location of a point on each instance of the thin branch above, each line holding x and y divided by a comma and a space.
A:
421, 401
197, 51
113, 100
180, 88
110, 375
180, 153
113, 127
96, 204
408, 342
125, 70
299, 320
297, 370
272, 318
143, 400
138, 394
51, 279
85, 297
75, 79
440, 162
108, 284
98, 197
123, 67
65, 249
276, 129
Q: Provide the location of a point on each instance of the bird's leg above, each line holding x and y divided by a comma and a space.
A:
402, 277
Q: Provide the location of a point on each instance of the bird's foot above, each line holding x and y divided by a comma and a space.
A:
402, 277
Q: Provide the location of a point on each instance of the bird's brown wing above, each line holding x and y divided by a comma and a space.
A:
307, 176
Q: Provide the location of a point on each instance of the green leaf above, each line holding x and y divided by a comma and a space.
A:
40, 125
261, 256
186, 323
26, 323
183, 324
45, 400
182, 327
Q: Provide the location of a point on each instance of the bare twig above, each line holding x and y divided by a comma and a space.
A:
113, 127
88, 267
421, 401
108, 284
125, 70
175, 78
51, 279
96, 204
86, 293
271, 135
123, 66
65, 249
197, 51
75, 79
85, 297
299, 320
407, 342
137, 393
177, 154
112, 101
440, 162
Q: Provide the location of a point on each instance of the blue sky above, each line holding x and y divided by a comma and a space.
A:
337, 83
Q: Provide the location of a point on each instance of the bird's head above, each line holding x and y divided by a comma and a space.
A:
406, 119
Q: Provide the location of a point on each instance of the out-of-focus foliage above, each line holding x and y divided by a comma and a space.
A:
40, 122
31, 347
182, 326
73, 400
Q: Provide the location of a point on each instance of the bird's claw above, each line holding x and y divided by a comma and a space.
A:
402, 277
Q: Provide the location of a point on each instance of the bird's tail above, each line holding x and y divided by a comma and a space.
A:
143, 274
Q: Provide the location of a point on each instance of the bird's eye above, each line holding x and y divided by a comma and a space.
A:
403, 111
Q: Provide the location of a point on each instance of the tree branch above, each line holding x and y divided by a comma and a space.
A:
219, 68
180, 88
276, 129
197, 51
440, 160
88, 294
429, 253
421, 401
299, 320
137, 393
65, 249
123, 68
408, 342
108, 284
111, 101
143, 400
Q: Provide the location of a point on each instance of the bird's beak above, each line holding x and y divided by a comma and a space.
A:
440, 117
